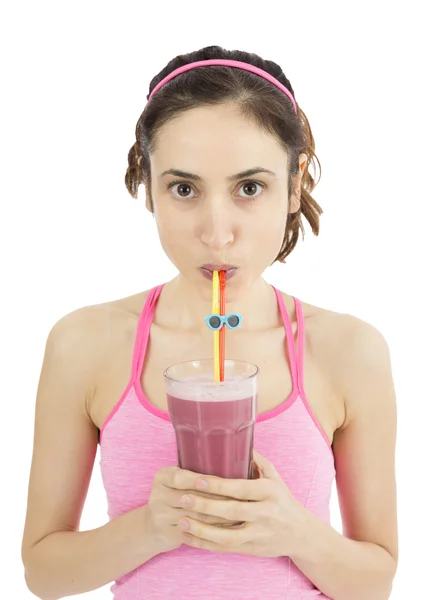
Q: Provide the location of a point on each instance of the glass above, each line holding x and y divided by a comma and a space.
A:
213, 421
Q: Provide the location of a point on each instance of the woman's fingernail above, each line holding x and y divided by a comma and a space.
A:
201, 484
183, 524
187, 502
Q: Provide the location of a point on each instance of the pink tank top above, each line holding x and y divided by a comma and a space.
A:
137, 439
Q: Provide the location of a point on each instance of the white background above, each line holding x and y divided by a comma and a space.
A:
75, 78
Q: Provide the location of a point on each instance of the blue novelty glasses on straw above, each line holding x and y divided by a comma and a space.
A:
216, 322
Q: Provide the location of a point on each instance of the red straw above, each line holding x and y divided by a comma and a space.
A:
222, 281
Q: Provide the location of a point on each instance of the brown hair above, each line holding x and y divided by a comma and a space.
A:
257, 99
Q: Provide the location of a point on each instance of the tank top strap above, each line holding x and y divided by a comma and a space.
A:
295, 359
300, 338
143, 330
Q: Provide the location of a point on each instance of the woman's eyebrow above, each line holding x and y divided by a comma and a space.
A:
247, 173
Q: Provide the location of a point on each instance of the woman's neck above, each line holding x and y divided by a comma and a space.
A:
183, 306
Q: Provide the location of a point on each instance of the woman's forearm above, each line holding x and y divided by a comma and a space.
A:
342, 568
72, 562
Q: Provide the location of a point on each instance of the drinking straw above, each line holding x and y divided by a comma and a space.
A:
222, 280
215, 311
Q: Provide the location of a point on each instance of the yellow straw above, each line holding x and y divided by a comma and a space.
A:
216, 311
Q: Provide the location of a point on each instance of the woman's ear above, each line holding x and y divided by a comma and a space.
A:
149, 202
295, 200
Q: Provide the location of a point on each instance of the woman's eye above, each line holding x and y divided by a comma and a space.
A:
181, 190
252, 189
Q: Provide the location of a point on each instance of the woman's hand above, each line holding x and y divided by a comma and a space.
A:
164, 509
273, 520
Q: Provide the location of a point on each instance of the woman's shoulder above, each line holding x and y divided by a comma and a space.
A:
350, 350
338, 338
107, 311
87, 333
334, 326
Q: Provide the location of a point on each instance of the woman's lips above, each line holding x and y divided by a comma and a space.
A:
208, 272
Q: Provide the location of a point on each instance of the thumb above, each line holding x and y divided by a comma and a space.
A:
265, 467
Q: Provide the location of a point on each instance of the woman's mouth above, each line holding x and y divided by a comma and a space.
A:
207, 270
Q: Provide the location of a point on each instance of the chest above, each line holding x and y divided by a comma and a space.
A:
268, 350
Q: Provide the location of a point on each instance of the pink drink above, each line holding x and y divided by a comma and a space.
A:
214, 438
213, 421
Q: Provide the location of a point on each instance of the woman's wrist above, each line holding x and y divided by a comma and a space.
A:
149, 544
299, 531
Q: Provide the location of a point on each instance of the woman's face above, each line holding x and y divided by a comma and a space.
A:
219, 187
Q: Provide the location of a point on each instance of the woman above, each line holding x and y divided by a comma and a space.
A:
223, 150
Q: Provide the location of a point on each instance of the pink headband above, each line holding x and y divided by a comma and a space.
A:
227, 63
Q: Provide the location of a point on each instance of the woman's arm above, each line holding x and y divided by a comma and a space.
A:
362, 564
59, 560
65, 563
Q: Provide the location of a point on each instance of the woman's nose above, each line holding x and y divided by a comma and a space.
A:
217, 229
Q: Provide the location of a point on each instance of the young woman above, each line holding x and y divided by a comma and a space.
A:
223, 150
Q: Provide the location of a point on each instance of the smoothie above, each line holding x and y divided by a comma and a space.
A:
214, 438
